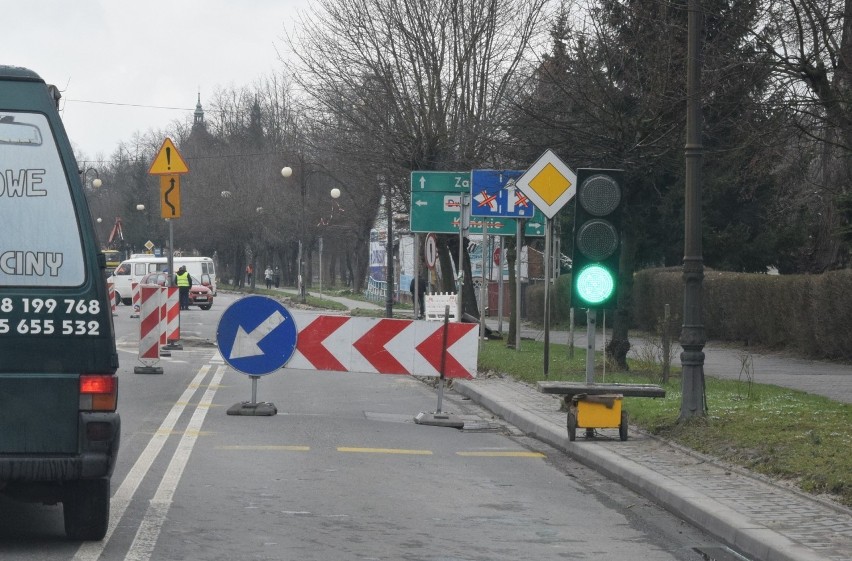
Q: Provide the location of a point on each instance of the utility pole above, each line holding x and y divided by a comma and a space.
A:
692, 336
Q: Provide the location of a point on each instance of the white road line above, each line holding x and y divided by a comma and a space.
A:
149, 530
91, 551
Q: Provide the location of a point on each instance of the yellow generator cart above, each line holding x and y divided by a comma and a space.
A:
596, 412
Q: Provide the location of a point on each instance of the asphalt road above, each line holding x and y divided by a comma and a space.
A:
341, 472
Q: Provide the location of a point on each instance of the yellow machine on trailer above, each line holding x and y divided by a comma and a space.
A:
597, 412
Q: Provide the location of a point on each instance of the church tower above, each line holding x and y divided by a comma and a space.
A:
199, 113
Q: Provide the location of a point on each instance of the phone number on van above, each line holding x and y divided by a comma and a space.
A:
46, 326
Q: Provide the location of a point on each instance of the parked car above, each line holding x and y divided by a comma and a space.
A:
199, 295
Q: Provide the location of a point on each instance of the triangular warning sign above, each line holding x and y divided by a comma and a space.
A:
168, 160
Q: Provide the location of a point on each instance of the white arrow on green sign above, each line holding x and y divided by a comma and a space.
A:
438, 212
446, 181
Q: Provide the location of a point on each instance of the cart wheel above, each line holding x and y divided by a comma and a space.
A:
572, 426
622, 428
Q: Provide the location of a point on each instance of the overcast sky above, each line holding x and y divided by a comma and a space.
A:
111, 55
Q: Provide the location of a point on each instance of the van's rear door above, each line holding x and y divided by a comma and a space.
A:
55, 320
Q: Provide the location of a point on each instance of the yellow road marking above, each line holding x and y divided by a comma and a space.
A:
502, 454
267, 448
385, 451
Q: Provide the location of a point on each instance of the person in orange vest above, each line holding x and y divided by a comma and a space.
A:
183, 282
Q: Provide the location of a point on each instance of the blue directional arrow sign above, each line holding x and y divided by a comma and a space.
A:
493, 193
256, 335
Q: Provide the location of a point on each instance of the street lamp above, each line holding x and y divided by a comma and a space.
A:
286, 172
96, 182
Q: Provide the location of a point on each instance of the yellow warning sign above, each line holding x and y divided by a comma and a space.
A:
168, 160
170, 196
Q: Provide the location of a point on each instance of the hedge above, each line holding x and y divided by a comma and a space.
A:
807, 314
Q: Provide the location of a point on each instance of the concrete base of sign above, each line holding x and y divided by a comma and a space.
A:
249, 409
172, 346
439, 420
148, 370
165, 352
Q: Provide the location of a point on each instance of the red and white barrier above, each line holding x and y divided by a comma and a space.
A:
386, 346
134, 289
172, 329
111, 290
149, 327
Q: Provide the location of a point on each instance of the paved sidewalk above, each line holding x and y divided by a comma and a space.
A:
762, 520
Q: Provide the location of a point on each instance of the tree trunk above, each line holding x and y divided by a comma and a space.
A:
511, 255
618, 347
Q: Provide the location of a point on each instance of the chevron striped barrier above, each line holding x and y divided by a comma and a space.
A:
386, 346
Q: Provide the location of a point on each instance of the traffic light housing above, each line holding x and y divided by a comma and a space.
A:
597, 238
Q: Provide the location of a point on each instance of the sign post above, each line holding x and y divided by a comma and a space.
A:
549, 183
256, 336
169, 165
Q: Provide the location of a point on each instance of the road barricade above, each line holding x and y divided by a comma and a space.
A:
149, 330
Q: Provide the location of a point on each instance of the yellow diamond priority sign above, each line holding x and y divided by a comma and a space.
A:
548, 183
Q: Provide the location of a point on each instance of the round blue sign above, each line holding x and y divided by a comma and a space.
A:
256, 335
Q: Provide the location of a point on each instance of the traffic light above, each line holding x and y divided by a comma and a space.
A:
597, 238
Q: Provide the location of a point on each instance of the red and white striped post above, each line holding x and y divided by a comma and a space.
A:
149, 331
111, 290
172, 318
164, 308
134, 289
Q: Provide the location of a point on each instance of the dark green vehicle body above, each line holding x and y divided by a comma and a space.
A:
59, 429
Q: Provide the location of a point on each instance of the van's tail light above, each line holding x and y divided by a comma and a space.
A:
98, 392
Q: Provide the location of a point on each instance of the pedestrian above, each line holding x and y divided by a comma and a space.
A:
421, 296
183, 282
267, 276
249, 273
276, 277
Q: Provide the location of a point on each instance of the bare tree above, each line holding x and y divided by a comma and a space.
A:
810, 44
415, 85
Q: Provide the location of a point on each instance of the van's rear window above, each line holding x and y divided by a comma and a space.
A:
40, 243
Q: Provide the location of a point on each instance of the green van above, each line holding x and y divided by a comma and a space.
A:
59, 429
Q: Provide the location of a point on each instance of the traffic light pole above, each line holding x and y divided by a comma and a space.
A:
591, 328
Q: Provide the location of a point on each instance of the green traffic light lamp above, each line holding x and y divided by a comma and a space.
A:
595, 284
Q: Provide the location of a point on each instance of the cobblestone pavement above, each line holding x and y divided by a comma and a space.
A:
764, 521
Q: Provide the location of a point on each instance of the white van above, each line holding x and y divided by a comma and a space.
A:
139, 265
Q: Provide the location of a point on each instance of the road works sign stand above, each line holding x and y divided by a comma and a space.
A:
439, 418
256, 336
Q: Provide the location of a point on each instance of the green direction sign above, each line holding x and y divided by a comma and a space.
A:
446, 181
534, 227
438, 212
435, 211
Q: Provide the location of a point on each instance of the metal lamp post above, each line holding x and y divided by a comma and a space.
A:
692, 336
286, 172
